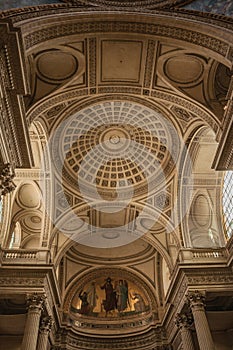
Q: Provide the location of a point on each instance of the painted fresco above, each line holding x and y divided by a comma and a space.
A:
224, 7
109, 298
9, 4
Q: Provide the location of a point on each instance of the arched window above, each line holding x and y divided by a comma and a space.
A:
16, 237
228, 202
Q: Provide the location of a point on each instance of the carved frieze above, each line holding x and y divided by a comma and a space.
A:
157, 30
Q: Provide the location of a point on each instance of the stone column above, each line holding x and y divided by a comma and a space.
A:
35, 307
184, 322
45, 328
196, 301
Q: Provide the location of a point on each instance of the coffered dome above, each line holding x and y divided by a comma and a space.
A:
116, 146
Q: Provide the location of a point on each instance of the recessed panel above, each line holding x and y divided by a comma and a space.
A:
121, 60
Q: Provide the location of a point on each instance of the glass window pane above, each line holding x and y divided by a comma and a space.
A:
228, 202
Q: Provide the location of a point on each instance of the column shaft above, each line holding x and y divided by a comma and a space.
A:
30, 336
202, 328
196, 300
186, 338
42, 341
31, 330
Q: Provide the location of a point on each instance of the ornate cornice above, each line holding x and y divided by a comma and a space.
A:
21, 14
109, 26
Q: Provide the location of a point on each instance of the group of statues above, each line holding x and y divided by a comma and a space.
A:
116, 298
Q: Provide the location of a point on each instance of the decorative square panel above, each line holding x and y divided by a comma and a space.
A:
121, 60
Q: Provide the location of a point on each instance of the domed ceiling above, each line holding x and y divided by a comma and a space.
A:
115, 146
110, 156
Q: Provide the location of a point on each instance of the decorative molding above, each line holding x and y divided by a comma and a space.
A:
211, 279
158, 30
153, 339
132, 94
21, 282
150, 61
138, 4
30, 12
92, 61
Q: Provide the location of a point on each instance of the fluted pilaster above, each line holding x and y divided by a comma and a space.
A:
35, 306
196, 302
45, 328
184, 322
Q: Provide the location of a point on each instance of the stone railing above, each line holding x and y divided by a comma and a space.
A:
24, 256
202, 255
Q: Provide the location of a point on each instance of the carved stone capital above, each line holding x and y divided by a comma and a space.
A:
184, 320
7, 174
36, 302
46, 324
196, 299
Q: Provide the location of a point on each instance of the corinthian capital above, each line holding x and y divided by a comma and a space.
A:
196, 298
46, 324
7, 174
36, 301
184, 320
